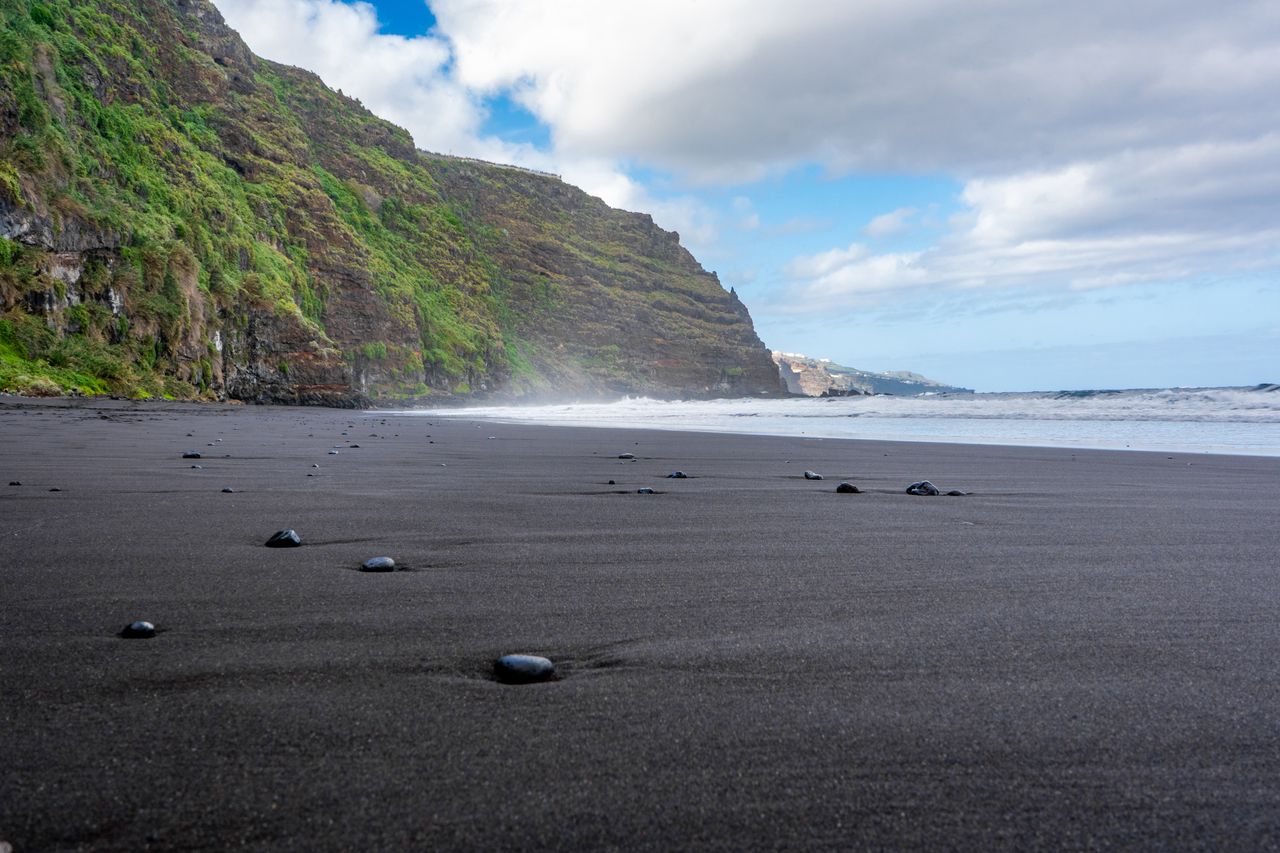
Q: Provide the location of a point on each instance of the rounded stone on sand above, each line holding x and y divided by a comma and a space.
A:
287, 538
191, 454
523, 669
923, 487
848, 489
812, 475
645, 491
677, 475
378, 564
228, 491
626, 456
139, 630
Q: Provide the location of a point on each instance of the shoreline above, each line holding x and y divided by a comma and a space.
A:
1079, 653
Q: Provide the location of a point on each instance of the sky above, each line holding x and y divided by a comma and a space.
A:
1001, 194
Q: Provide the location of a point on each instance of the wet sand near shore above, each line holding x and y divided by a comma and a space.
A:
1084, 652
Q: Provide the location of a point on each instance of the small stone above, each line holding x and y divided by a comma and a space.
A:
333, 453
287, 538
626, 456
14, 483
198, 467
612, 483
677, 475
956, 493
191, 454
645, 491
523, 669
138, 631
55, 489
378, 564
810, 475
923, 487
354, 445
315, 465
228, 491
848, 489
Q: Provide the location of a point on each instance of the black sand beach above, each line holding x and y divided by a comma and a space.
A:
1083, 653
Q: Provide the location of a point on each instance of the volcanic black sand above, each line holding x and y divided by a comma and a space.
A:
1084, 652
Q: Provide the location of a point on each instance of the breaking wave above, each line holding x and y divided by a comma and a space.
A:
1226, 420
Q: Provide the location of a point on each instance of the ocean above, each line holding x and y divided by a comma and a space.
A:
1242, 421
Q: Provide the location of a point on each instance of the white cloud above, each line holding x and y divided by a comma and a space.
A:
888, 224
1127, 219
727, 89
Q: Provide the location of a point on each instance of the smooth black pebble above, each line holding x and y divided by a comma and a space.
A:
228, 491
378, 564
626, 456
284, 539
645, 491
523, 669
848, 489
138, 631
191, 454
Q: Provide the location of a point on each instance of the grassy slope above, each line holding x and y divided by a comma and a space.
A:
222, 180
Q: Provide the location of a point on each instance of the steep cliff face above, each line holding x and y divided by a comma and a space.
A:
180, 217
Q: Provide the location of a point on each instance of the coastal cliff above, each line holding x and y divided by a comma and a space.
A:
181, 218
820, 377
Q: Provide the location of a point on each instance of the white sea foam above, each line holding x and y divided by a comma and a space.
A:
1220, 420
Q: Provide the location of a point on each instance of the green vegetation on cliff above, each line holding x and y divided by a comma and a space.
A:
179, 217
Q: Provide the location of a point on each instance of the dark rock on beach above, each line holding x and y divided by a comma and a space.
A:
191, 454
287, 538
644, 491
677, 475
848, 489
138, 631
523, 669
923, 487
811, 475
378, 564
626, 456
